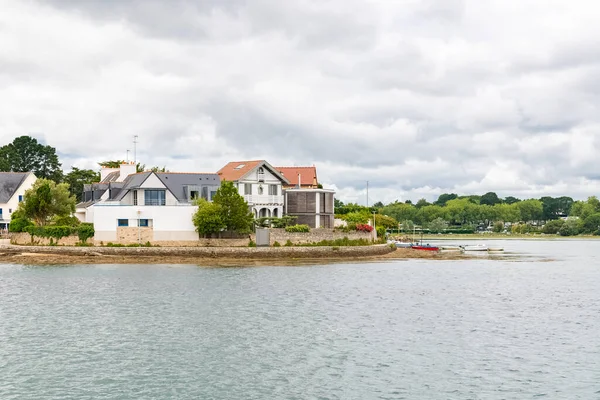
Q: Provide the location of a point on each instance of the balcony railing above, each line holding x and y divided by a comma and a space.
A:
261, 177
263, 199
153, 202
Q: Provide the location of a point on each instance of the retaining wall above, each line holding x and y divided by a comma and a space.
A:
255, 253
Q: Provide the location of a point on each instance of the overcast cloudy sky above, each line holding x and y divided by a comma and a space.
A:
419, 97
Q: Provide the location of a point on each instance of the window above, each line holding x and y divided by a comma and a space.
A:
194, 195
154, 198
135, 200
239, 166
247, 188
212, 194
205, 193
273, 190
0, 211
122, 222
143, 222
20, 198
10, 210
261, 174
260, 189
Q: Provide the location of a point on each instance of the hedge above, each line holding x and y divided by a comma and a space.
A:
297, 228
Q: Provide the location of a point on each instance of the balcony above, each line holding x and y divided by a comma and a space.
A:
262, 199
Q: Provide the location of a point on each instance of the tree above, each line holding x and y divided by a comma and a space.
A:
45, 200
444, 198
208, 219
77, 178
25, 154
571, 227
511, 200
421, 203
408, 225
400, 211
531, 210
385, 221
233, 208
490, 198
553, 227
591, 224
438, 225
139, 167
337, 203
379, 204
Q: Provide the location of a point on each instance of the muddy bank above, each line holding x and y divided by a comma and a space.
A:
184, 255
41, 255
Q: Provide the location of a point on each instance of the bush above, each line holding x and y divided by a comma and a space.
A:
252, 243
364, 228
66, 221
297, 228
55, 232
276, 244
571, 227
19, 225
85, 231
288, 243
552, 227
498, 227
380, 231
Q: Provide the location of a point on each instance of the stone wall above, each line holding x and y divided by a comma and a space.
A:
129, 235
315, 235
247, 253
24, 238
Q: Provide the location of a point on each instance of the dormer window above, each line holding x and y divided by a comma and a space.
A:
261, 174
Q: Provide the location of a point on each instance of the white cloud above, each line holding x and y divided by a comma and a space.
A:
418, 97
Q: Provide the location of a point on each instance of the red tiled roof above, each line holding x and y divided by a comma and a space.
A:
308, 175
237, 169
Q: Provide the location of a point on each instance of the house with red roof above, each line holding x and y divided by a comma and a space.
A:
259, 183
300, 177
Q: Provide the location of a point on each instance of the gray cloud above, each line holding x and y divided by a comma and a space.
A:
418, 98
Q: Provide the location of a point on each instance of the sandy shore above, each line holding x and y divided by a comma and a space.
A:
50, 257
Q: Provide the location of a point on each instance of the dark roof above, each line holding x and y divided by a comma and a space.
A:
112, 177
9, 183
175, 182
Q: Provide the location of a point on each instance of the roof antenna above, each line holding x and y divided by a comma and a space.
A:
135, 142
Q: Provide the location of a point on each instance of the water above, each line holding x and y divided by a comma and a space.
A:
513, 328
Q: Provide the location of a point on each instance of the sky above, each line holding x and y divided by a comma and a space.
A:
417, 97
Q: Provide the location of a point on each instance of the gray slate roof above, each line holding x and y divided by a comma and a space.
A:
9, 183
175, 182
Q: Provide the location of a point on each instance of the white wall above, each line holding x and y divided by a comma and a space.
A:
13, 203
169, 222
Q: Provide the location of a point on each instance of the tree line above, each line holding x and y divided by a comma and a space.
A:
451, 211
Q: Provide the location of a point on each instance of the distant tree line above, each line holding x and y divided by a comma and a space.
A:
467, 213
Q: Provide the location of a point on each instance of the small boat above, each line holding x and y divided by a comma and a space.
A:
425, 247
451, 248
496, 249
403, 245
475, 247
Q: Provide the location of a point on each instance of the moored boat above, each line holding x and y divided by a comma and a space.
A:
475, 247
403, 245
425, 247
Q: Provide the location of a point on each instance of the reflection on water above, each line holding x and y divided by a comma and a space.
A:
511, 325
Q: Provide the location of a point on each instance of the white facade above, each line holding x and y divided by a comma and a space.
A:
13, 203
168, 223
262, 190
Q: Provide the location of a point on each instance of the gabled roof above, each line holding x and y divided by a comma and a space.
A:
9, 183
174, 182
308, 175
112, 177
236, 170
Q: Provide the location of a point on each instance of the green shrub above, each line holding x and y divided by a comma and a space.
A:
552, 227
297, 228
498, 227
380, 231
66, 221
571, 227
288, 243
19, 225
252, 243
276, 244
55, 232
85, 231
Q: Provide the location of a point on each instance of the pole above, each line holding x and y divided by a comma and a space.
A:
127, 156
135, 149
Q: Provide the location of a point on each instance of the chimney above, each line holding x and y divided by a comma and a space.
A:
299, 181
126, 169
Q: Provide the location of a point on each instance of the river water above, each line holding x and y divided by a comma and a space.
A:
522, 326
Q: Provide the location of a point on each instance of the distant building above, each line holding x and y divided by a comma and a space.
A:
300, 177
313, 207
259, 183
12, 189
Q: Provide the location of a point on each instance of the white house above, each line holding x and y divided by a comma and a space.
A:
12, 189
146, 206
259, 183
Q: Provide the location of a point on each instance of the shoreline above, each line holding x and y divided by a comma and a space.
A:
217, 257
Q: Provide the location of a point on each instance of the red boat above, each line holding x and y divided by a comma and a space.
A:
425, 247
